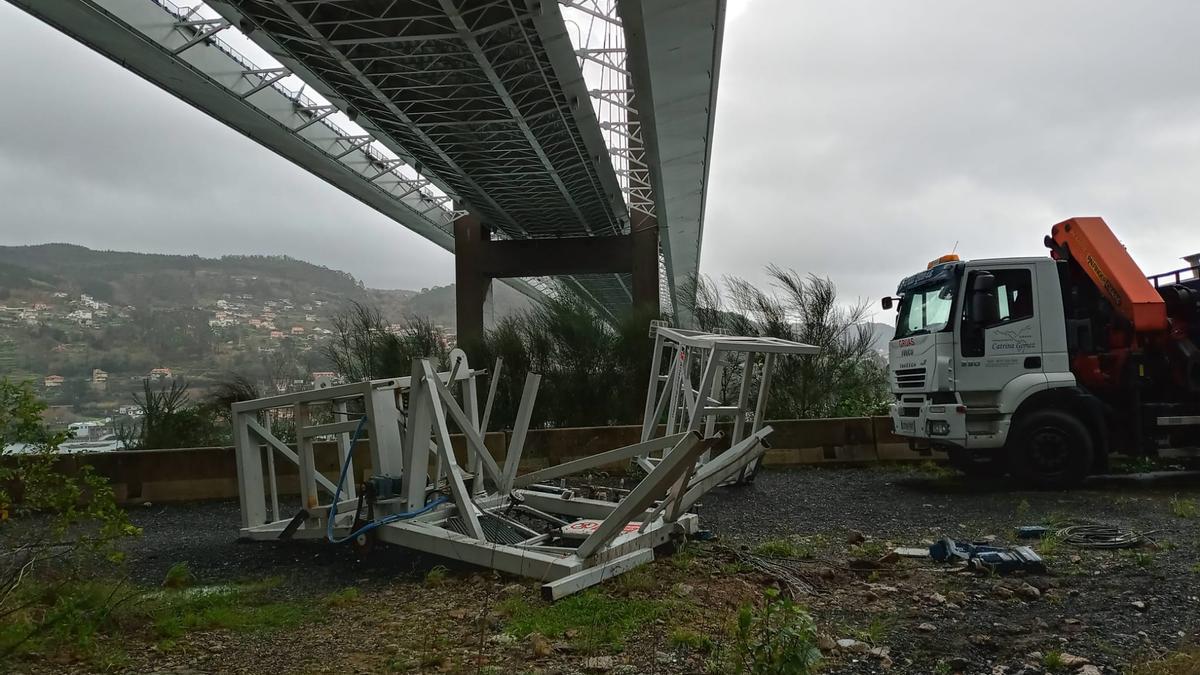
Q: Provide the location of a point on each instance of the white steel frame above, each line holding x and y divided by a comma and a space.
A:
408, 426
696, 407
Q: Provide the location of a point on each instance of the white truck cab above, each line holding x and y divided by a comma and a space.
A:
1042, 367
961, 368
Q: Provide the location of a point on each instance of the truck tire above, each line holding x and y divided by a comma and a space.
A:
1050, 449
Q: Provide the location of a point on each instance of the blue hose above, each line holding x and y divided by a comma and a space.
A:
337, 496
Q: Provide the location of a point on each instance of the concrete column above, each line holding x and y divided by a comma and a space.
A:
471, 285
644, 236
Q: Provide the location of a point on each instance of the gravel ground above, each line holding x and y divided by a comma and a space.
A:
1109, 608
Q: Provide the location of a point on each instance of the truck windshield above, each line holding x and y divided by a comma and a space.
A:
926, 309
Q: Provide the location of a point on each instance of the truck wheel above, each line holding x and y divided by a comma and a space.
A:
975, 464
1050, 449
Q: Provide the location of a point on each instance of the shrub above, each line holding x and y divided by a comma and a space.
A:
58, 530
778, 639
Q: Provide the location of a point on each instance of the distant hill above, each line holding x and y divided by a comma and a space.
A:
181, 281
883, 335
151, 279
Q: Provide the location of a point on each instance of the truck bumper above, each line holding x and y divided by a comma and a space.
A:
936, 425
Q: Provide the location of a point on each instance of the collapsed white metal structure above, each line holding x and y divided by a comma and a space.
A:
696, 408
484, 513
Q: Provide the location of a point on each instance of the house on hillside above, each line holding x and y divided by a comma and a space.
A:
297, 330
52, 381
99, 379
277, 334
159, 374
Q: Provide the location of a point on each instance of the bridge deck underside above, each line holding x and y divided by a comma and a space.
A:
482, 97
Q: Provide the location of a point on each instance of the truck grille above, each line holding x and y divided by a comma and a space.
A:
910, 378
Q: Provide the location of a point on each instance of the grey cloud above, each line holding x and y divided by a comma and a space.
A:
860, 140
95, 155
856, 140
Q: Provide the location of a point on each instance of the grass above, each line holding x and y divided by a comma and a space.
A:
682, 560
872, 549
638, 579
1143, 557
436, 576
242, 608
1053, 662
791, 547
1184, 508
93, 620
179, 576
687, 639
878, 629
936, 470
1196, 568
783, 547
599, 619
341, 598
1180, 663
1050, 544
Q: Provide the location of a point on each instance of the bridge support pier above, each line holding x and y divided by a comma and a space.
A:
478, 260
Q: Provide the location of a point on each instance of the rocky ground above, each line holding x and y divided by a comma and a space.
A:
1093, 611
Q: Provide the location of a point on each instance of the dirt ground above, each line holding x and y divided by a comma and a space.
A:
1094, 611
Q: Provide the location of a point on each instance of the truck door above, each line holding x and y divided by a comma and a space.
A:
994, 351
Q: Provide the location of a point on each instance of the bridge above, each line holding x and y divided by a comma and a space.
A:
552, 145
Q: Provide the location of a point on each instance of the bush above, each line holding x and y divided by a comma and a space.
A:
170, 420
56, 529
778, 639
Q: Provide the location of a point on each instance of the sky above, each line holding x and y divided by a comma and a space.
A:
855, 140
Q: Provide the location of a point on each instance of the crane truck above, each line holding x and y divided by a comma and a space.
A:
1042, 367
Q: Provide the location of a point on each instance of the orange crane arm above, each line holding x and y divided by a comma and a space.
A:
1094, 246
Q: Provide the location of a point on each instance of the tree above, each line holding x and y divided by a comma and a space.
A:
56, 528
364, 346
169, 420
846, 378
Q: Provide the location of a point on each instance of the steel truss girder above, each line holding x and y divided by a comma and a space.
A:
215, 79
436, 84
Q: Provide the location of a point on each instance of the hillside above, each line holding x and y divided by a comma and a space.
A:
89, 326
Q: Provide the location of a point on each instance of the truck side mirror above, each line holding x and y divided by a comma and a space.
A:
984, 307
886, 302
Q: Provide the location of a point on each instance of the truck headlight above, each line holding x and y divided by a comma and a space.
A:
938, 427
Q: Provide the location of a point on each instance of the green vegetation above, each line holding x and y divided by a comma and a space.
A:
589, 365
875, 631
436, 576
871, 549
1185, 662
1053, 662
364, 348
597, 619
341, 598
687, 639
791, 547
1050, 544
91, 620
638, 579
777, 639
171, 420
1184, 508
179, 576
243, 608
61, 527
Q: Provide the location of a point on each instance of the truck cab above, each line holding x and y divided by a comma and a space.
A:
1040, 367
974, 340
